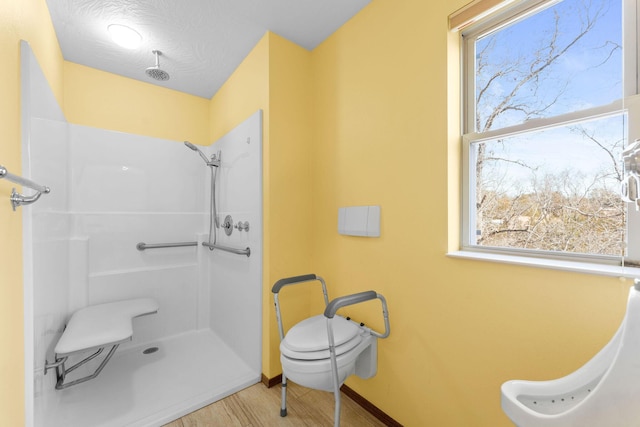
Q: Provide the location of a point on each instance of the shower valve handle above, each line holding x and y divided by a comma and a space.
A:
242, 226
228, 225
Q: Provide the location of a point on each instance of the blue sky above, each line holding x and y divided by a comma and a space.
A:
553, 151
579, 75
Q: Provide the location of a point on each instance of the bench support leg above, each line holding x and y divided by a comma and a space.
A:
62, 371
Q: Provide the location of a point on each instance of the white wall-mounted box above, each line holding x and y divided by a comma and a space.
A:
359, 221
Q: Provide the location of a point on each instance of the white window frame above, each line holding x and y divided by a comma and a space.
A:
630, 105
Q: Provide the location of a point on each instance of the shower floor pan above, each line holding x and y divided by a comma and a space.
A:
135, 389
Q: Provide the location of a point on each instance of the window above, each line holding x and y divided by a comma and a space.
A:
546, 113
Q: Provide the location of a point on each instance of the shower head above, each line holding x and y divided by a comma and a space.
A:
190, 145
155, 72
196, 149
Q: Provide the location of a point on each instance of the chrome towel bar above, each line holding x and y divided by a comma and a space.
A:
4, 173
18, 199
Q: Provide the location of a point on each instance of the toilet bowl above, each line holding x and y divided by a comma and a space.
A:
305, 353
603, 392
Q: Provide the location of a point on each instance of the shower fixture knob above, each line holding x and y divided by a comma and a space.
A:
242, 226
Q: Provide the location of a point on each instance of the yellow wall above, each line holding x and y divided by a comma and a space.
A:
366, 118
28, 20
288, 183
104, 100
275, 77
244, 93
382, 92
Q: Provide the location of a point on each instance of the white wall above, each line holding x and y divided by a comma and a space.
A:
126, 189
50, 226
45, 224
236, 279
110, 191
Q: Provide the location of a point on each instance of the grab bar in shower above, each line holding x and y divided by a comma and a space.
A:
18, 199
142, 246
246, 251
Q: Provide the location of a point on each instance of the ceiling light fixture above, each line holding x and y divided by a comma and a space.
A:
125, 36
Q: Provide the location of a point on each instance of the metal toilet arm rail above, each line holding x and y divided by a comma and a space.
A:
330, 313
292, 281
352, 299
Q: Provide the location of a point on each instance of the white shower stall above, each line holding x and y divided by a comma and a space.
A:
109, 192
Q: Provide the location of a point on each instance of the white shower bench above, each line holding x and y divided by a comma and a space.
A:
95, 328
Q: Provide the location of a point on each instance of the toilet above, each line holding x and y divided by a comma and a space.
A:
305, 354
603, 392
320, 352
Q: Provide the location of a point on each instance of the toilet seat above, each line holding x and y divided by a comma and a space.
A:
308, 340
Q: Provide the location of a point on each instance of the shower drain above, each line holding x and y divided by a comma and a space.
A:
150, 350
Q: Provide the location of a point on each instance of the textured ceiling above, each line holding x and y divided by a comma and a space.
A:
202, 41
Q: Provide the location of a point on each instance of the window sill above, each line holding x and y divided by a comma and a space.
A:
553, 264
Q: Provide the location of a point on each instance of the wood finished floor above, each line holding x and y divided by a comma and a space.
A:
259, 406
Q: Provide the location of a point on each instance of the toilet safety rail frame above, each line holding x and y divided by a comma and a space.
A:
331, 307
18, 199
